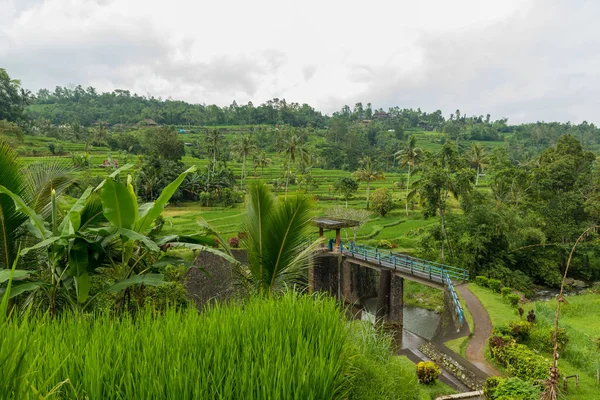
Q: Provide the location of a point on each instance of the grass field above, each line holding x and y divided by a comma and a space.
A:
581, 319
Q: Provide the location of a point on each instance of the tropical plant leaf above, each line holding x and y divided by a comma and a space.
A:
78, 258
144, 279
175, 261
114, 175
151, 211
82, 287
36, 220
110, 233
19, 288
196, 238
259, 205
16, 274
193, 246
72, 221
118, 206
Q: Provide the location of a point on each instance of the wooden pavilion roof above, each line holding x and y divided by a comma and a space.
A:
334, 223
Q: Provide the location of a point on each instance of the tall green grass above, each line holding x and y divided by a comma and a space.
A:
289, 347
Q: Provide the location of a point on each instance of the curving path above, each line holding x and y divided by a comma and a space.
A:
481, 332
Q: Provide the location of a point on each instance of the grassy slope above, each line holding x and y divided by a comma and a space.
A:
583, 312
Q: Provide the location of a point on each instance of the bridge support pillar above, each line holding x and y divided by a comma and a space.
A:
323, 275
383, 294
396, 305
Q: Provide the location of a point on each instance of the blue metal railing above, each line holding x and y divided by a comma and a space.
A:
430, 270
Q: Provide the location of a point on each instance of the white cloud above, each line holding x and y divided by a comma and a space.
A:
523, 59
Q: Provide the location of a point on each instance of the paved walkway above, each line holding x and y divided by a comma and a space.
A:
481, 332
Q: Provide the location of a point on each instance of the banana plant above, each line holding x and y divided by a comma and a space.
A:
77, 248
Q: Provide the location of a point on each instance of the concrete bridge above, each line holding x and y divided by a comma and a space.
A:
352, 272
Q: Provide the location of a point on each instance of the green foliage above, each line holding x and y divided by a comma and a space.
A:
13, 99
275, 341
520, 330
521, 362
384, 244
276, 228
513, 299
497, 388
346, 186
427, 372
482, 281
562, 338
382, 201
495, 285
377, 374
505, 291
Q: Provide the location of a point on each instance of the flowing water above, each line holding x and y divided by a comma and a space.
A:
420, 325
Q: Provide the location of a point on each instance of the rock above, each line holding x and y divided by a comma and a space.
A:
579, 284
569, 282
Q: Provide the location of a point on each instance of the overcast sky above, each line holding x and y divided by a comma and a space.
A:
522, 59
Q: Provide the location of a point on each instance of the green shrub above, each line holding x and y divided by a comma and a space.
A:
513, 299
495, 285
482, 281
520, 330
522, 362
562, 338
505, 291
384, 244
427, 372
516, 389
490, 386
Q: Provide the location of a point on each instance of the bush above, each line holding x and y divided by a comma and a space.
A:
427, 372
495, 285
384, 244
562, 338
515, 389
382, 201
513, 299
490, 386
520, 330
482, 281
521, 362
531, 317
505, 291
234, 242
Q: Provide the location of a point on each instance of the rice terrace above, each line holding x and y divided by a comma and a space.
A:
171, 246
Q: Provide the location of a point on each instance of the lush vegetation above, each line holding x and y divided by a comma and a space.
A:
524, 345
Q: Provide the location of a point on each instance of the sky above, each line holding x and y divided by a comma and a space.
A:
525, 60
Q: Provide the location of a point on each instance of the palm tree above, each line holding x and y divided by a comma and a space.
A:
244, 147
214, 138
261, 161
293, 147
26, 97
409, 156
368, 173
478, 159
276, 247
34, 184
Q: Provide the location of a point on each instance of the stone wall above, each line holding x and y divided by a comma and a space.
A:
219, 283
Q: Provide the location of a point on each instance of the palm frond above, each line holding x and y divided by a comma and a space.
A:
42, 177
10, 219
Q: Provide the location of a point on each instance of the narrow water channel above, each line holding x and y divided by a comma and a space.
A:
420, 325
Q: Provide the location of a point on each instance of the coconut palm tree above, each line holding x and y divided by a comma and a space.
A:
277, 251
368, 173
294, 148
409, 156
26, 97
34, 184
244, 147
261, 161
478, 159
214, 138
